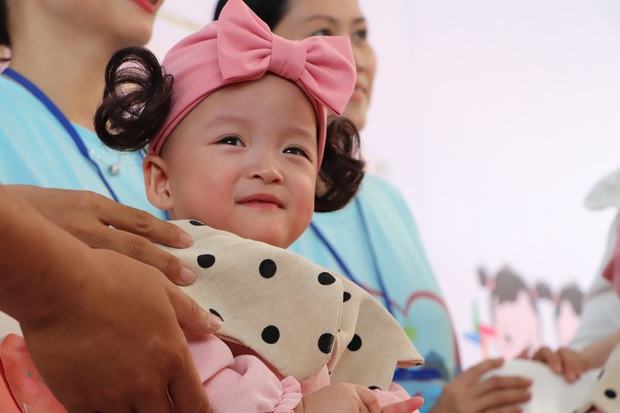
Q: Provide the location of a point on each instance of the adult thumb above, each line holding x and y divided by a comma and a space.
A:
191, 317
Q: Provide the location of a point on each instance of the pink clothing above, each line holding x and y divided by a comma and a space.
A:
612, 269
21, 388
242, 384
245, 384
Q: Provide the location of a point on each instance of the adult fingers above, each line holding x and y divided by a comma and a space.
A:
473, 374
190, 316
502, 398
572, 363
505, 409
549, 357
141, 249
139, 222
524, 354
496, 383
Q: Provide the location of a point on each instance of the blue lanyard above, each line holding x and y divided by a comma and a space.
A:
38, 93
373, 254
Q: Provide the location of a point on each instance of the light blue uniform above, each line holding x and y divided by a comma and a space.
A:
35, 149
407, 277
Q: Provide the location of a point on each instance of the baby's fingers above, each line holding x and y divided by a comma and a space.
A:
406, 406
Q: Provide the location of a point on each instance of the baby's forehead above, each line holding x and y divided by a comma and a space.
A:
268, 101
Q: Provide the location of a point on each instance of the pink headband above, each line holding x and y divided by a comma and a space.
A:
240, 47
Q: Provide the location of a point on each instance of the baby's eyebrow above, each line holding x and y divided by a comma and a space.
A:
228, 117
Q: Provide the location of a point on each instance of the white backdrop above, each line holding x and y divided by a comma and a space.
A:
494, 119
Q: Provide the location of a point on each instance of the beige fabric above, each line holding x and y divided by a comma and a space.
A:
605, 396
292, 312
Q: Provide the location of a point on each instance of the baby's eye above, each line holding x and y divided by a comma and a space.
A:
230, 140
295, 150
322, 32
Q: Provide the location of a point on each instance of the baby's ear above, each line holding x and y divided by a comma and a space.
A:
156, 182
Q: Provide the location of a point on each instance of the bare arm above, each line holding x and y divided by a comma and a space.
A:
596, 354
103, 329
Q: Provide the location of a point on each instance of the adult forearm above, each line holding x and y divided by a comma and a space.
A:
596, 354
34, 252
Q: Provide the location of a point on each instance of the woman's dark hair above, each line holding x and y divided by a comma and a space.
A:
269, 11
137, 99
5, 39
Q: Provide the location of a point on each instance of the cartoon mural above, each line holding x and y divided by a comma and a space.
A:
521, 317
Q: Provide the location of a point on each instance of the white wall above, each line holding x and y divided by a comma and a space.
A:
494, 119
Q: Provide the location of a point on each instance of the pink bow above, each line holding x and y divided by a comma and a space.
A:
323, 66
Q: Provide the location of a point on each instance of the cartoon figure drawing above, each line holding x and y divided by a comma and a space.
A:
567, 313
513, 313
524, 317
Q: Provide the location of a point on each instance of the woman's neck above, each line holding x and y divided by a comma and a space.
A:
69, 72
76, 91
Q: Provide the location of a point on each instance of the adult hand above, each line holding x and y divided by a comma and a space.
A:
468, 393
352, 398
564, 361
114, 343
103, 223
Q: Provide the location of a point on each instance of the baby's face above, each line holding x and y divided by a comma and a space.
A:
245, 161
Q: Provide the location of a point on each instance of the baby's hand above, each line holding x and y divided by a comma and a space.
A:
564, 361
352, 398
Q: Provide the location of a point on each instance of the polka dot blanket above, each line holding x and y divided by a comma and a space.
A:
296, 315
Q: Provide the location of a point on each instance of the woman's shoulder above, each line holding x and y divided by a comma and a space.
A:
18, 105
377, 192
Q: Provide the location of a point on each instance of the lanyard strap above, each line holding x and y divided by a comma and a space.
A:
373, 254
55, 111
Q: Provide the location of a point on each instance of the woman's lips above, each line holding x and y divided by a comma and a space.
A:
148, 5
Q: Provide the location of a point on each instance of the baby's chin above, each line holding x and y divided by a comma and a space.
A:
274, 241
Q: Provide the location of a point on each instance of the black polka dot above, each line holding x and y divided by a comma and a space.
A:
610, 394
326, 278
206, 260
212, 311
356, 343
346, 297
268, 268
326, 341
374, 387
271, 334
196, 223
